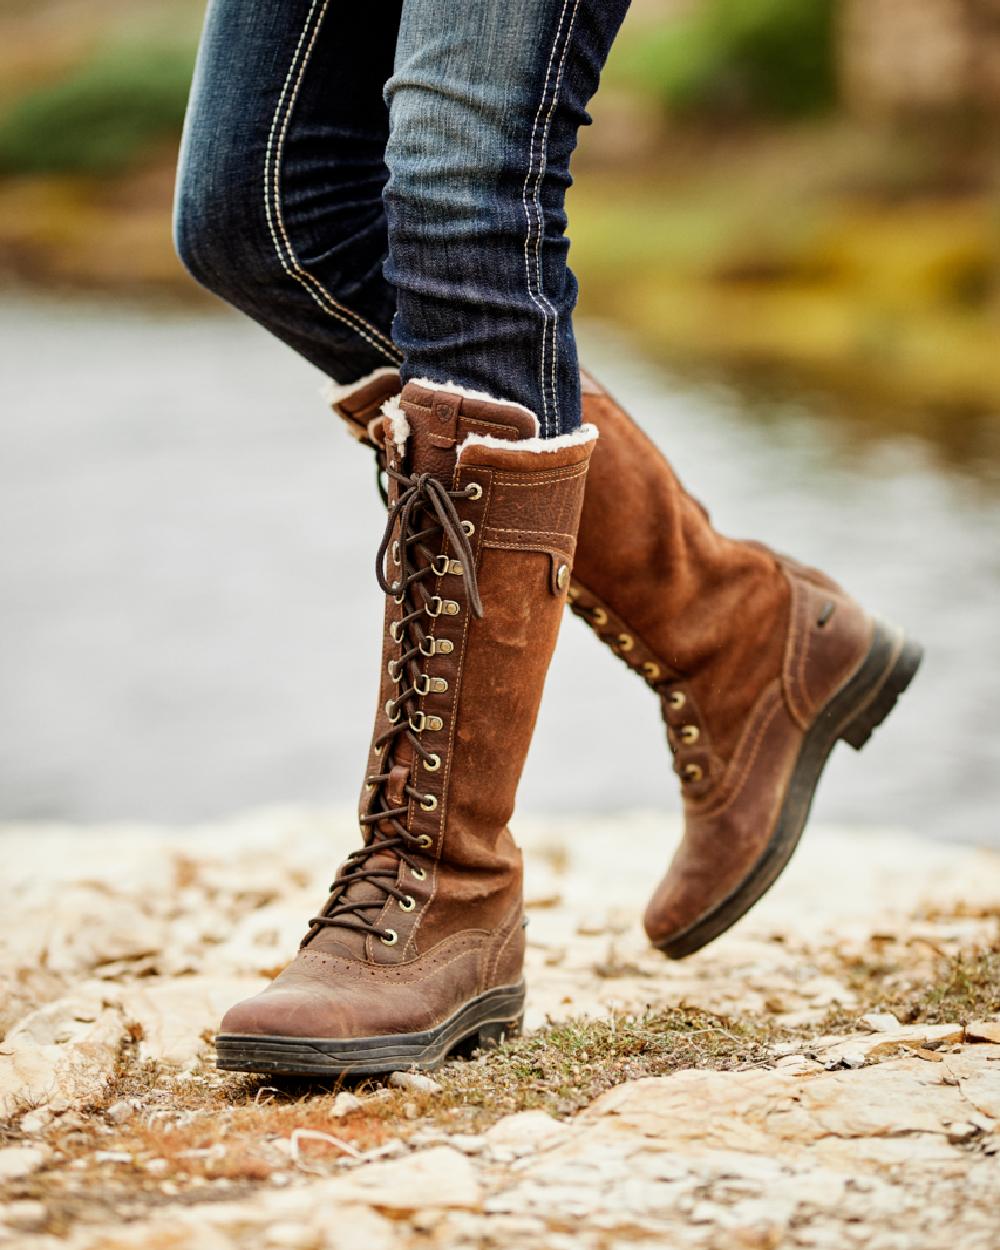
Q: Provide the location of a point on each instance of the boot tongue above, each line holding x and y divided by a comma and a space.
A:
438, 421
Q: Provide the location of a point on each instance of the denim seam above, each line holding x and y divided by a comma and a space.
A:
537, 295
272, 188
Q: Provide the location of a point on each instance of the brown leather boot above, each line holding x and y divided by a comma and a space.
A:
419, 946
760, 666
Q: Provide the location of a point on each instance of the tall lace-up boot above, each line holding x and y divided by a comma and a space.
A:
419, 946
760, 665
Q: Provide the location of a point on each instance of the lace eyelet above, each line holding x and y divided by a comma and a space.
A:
468, 528
425, 840
677, 699
389, 938
651, 670
474, 491
625, 642
693, 772
393, 712
409, 903
418, 874
429, 802
690, 734
396, 557
598, 616
433, 767
394, 626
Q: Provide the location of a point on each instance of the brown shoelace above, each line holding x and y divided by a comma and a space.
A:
425, 514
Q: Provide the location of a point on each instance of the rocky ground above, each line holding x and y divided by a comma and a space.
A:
827, 1075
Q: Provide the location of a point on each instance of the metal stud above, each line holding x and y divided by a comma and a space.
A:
445, 646
562, 576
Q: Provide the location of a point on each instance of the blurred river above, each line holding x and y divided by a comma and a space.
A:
190, 624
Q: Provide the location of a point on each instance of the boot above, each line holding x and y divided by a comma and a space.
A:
760, 666
419, 947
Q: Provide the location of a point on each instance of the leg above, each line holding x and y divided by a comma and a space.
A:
279, 195
485, 108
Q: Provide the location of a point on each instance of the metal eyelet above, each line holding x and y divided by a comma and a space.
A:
468, 528
444, 564
435, 599
408, 904
677, 699
392, 631
598, 616
396, 557
389, 938
425, 840
626, 642
690, 734
474, 491
393, 712
651, 670
429, 802
693, 772
433, 767
418, 874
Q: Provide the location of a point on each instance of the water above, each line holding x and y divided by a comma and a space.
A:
190, 622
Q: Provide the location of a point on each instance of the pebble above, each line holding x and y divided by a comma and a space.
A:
36, 1121
880, 1022
120, 1112
20, 1161
345, 1103
25, 1215
415, 1082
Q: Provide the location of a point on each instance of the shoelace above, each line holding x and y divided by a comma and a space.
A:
425, 512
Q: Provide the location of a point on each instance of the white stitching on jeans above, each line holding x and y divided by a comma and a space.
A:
538, 241
272, 186
540, 300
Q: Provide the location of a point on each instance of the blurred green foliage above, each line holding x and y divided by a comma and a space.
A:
104, 115
772, 58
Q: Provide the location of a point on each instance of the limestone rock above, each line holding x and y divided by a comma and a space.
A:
983, 1031
439, 1177
415, 1082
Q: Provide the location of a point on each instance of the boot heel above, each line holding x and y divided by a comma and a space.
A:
857, 731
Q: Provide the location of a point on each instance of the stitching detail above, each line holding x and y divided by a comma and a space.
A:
272, 187
543, 481
538, 297
505, 529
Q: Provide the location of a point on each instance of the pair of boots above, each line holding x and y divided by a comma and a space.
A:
759, 664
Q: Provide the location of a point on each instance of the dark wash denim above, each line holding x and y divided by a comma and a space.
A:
384, 183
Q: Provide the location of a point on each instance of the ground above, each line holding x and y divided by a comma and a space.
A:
826, 1075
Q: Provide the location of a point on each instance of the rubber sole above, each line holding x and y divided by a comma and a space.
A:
482, 1023
852, 715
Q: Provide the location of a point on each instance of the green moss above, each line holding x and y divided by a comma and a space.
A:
104, 116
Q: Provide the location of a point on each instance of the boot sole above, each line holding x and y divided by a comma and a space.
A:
482, 1023
852, 715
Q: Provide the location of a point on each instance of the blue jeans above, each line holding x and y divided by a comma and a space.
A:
384, 184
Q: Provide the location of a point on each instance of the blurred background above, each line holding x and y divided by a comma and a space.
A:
786, 225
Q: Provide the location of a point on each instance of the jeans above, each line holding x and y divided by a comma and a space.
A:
384, 184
